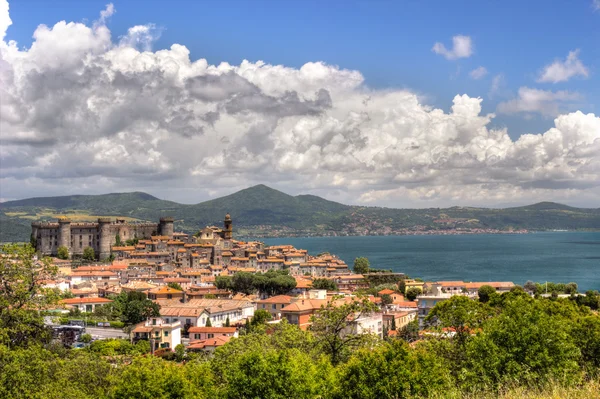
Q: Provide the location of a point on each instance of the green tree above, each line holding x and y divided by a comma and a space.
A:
175, 286
260, 317
361, 265
89, 254
412, 293
118, 242
22, 296
208, 322
179, 352
223, 282
571, 288
530, 286
134, 307
402, 286
386, 299
86, 338
62, 252
324, 284
393, 324
485, 293
392, 371
227, 322
334, 327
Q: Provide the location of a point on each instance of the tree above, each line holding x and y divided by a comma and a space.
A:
485, 293
134, 307
62, 252
530, 286
22, 296
118, 242
208, 322
386, 299
402, 286
393, 326
223, 282
89, 254
324, 284
227, 322
179, 352
86, 338
412, 293
334, 327
571, 288
361, 265
175, 286
260, 317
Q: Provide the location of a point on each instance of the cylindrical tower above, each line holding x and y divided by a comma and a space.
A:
105, 238
228, 230
166, 226
64, 233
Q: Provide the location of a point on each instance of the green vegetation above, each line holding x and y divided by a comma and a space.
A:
89, 254
175, 286
272, 282
412, 293
62, 252
361, 265
324, 284
260, 210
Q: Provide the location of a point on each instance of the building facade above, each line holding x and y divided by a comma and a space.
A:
100, 235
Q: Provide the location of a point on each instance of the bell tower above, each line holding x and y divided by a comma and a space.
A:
228, 230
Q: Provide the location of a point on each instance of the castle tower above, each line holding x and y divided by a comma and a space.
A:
165, 226
228, 230
105, 238
64, 233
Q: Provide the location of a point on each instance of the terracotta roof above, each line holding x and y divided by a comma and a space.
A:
211, 342
79, 301
451, 283
277, 299
197, 330
406, 304
165, 290
386, 292
302, 305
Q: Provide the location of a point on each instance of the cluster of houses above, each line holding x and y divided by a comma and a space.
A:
179, 271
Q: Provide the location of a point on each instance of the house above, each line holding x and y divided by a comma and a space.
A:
367, 323
84, 304
202, 333
200, 310
401, 318
300, 311
208, 345
426, 302
160, 333
199, 292
165, 292
351, 282
274, 305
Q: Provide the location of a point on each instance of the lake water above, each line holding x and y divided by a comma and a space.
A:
552, 256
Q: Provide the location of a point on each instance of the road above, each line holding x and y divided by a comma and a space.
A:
103, 333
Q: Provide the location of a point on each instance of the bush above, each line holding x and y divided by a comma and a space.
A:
117, 324
62, 252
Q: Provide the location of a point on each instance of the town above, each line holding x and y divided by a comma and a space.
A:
197, 282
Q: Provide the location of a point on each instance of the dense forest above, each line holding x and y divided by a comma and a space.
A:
508, 345
262, 211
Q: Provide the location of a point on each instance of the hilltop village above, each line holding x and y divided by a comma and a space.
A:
203, 282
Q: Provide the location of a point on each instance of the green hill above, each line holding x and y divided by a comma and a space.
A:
261, 210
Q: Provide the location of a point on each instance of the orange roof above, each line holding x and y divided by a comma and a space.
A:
79, 301
277, 299
211, 342
386, 292
304, 305
165, 290
451, 283
198, 330
406, 304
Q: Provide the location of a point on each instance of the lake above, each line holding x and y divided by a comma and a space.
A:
548, 256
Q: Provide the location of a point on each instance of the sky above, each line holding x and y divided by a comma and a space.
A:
386, 103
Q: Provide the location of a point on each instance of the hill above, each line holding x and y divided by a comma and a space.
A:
263, 211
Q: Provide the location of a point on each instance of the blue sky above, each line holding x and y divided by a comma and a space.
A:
390, 42
391, 103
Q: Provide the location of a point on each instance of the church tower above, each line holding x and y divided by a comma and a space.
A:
228, 230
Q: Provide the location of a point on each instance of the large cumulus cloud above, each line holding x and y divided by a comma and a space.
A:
82, 111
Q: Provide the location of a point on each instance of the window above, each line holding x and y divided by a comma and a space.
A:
153, 322
166, 333
211, 335
274, 307
188, 321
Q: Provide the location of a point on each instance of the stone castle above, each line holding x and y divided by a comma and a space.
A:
100, 236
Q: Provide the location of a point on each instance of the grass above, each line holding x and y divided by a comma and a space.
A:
74, 215
588, 390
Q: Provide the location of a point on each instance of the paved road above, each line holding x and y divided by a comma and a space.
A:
103, 333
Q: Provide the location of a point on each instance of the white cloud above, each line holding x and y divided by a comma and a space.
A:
478, 73
5, 20
462, 47
596, 5
107, 13
562, 71
141, 37
81, 113
545, 102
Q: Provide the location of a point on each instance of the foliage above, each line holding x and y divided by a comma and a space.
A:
260, 317
86, 338
62, 252
412, 293
386, 299
89, 254
118, 242
271, 283
361, 265
22, 295
324, 284
334, 327
485, 293
175, 286
134, 307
